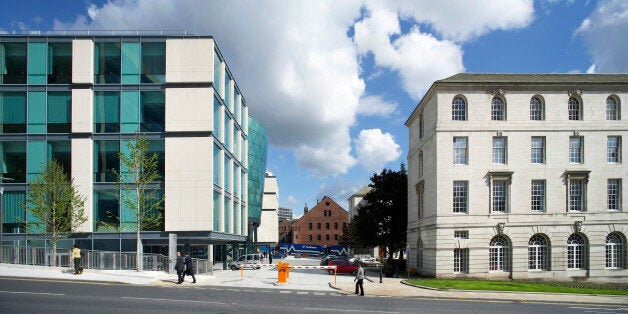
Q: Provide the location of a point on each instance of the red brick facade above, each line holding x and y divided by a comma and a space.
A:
321, 225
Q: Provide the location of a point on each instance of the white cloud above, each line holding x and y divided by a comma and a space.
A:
338, 190
375, 149
291, 200
604, 32
376, 106
419, 58
296, 66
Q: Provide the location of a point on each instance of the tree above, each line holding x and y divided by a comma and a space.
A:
55, 205
138, 190
383, 220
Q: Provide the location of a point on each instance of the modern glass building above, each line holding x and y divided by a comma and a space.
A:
78, 98
258, 145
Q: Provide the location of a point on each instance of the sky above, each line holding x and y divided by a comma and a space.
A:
333, 82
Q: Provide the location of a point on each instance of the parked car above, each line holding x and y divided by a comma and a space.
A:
342, 266
370, 261
331, 258
247, 261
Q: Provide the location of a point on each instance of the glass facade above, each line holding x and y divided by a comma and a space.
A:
128, 96
258, 147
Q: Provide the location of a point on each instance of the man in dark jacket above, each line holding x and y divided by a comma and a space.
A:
189, 267
179, 266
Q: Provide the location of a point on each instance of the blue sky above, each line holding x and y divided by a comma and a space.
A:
334, 81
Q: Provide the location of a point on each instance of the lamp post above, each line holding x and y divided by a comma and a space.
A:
2, 217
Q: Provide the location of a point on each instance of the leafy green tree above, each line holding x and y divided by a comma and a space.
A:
139, 192
383, 220
55, 205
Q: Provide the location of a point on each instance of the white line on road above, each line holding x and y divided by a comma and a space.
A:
341, 310
285, 291
302, 292
37, 293
598, 308
173, 300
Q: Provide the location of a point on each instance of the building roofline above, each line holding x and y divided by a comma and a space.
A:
558, 81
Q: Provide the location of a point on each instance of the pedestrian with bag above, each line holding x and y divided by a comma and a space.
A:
179, 266
76, 257
189, 267
359, 280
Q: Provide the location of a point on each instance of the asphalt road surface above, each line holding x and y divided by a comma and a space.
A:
18, 295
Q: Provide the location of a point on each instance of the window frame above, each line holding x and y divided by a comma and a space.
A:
461, 260
500, 154
538, 253
615, 251
574, 109
576, 252
500, 254
576, 153
498, 109
457, 150
613, 153
538, 196
460, 202
537, 153
614, 195
537, 109
459, 108
613, 108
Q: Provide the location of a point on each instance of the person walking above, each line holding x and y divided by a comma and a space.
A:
179, 266
189, 267
76, 257
359, 280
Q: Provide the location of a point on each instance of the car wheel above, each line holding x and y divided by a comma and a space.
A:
258, 267
353, 272
233, 267
331, 271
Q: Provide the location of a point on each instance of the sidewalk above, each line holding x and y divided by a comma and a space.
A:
299, 280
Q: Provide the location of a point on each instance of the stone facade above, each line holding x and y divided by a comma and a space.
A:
499, 189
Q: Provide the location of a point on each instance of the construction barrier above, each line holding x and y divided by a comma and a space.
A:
283, 270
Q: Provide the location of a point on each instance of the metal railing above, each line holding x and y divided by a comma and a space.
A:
92, 259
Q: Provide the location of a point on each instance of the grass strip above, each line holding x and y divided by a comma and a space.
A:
524, 286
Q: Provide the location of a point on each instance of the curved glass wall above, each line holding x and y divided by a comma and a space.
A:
258, 146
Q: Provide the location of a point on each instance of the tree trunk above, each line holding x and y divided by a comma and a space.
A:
53, 256
138, 254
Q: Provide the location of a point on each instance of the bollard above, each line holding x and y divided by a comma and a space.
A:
335, 276
281, 272
380, 274
287, 265
241, 270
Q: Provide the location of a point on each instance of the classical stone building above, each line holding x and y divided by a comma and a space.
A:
519, 176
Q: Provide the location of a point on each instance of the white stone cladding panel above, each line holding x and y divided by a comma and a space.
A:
188, 185
189, 60
82, 110
82, 173
189, 109
82, 61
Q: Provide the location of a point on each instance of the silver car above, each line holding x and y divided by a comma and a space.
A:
247, 261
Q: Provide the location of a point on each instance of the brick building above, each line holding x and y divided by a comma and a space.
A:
322, 225
285, 231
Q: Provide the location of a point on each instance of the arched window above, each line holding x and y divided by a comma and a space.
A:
612, 108
576, 252
538, 253
537, 110
498, 109
499, 254
458, 109
615, 251
575, 111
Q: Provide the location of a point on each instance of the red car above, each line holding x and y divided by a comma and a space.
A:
342, 266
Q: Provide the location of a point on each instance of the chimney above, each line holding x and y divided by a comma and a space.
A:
305, 209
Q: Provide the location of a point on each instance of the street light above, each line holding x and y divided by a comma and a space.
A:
2, 217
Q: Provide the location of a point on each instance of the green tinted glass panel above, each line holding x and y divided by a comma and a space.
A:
227, 173
217, 165
61, 151
13, 210
216, 204
105, 160
106, 112
128, 218
59, 63
153, 111
36, 159
107, 63
37, 112
13, 163
130, 63
13, 112
216, 71
12, 63
130, 112
37, 63
59, 112
159, 147
217, 118
106, 211
228, 223
153, 62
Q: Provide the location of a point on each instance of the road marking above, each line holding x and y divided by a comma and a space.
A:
173, 300
341, 310
302, 292
598, 308
100, 283
285, 291
319, 293
36, 293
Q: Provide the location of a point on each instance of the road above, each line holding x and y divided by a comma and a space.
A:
18, 295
